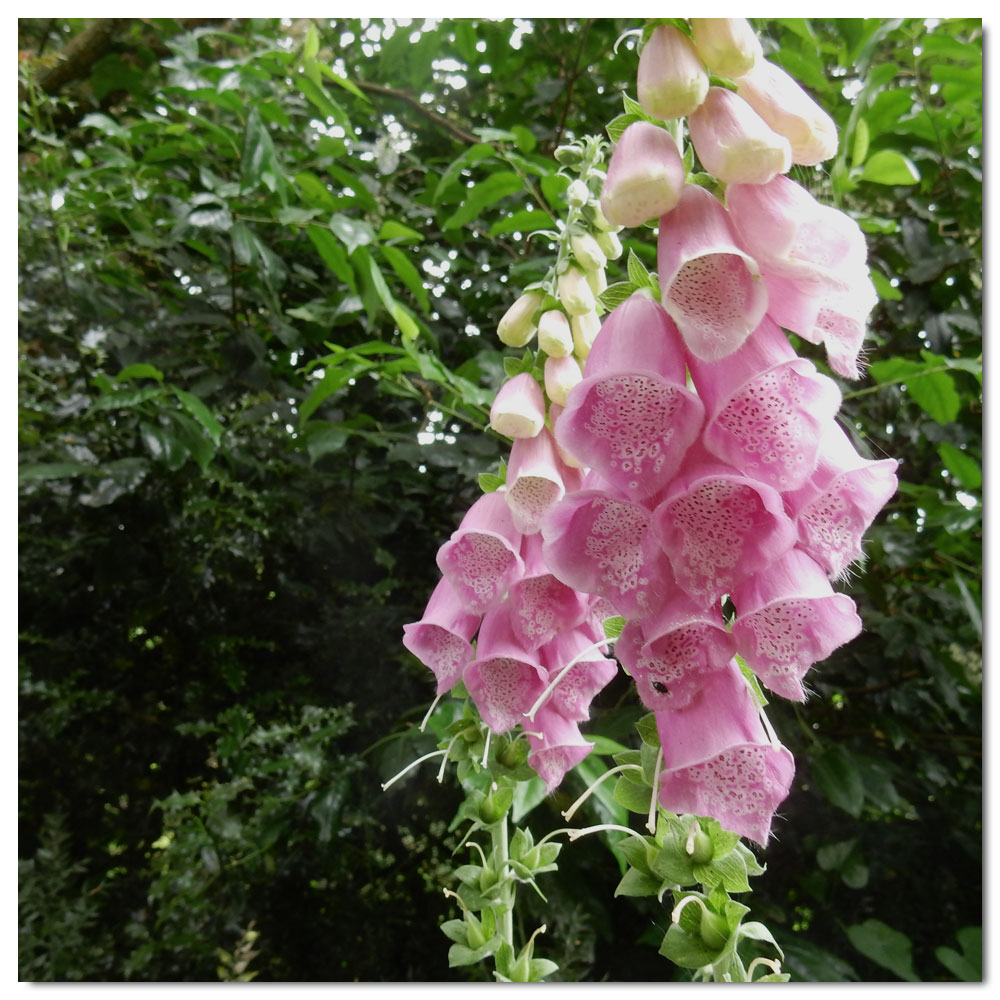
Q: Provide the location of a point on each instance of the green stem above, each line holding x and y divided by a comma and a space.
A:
501, 856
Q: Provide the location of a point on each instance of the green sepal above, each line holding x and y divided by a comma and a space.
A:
460, 954
635, 798
729, 872
457, 930
648, 733
636, 853
637, 883
671, 864
685, 949
540, 968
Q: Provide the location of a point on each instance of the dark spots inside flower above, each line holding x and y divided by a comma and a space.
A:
659, 687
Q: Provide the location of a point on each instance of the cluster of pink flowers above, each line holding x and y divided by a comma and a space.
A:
696, 465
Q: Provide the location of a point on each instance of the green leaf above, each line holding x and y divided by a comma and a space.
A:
968, 966
961, 465
885, 947
126, 399
33, 471
613, 627
333, 255
524, 221
353, 233
326, 105
838, 779
408, 274
637, 273
860, 150
635, 798
162, 445
314, 190
139, 371
539, 968
393, 230
614, 295
636, 883
473, 154
480, 196
489, 483
888, 166
686, 950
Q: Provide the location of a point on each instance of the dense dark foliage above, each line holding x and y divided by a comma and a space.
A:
257, 260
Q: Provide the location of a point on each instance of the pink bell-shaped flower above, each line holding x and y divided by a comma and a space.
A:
561, 375
482, 558
787, 619
792, 235
718, 760
728, 46
519, 408
734, 143
442, 639
540, 605
670, 654
790, 111
767, 408
591, 673
710, 285
671, 81
600, 544
534, 480
504, 679
838, 504
632, 418
645, 176
558, 749
717, 525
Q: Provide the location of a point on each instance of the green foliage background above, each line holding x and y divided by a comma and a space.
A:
257, 260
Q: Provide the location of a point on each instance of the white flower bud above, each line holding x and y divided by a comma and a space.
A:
587, 252
516, 329
554, 334
561, 374
577, 194
610, 244
585, 328
575, 295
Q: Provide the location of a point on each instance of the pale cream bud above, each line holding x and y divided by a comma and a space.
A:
516, 328
671, 81
598, 281
587, 252
554, 334
728, 45
585, 328
610, 244
575, 295
561, 374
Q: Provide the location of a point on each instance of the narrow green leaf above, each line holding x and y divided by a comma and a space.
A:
333, 255
885, 947
201, 413
400, 262
888, 166
481, 196
961, 465
860, 150
139, 370
353, 233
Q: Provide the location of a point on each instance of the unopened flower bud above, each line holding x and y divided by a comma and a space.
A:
610, 244
577, 194
585, 329
734, 143
561, 374
727, 45
645, 176
554, 334
575, 295
790, 111
714, 929
519, 409
516, 328
568, 156
587, 252
597, 218
598, 280
672, 81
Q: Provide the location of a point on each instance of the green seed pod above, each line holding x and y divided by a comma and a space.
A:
714, 929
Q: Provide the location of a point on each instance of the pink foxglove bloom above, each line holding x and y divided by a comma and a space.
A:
541, 606
575, 295
561, 375
790, 111
670, 654
727, 45
554, 335
645, 176
767, 408
442, 639
710, 285
559, 747
505, 679
672, 81
519, 408
632, 418
555, 411
787, 619
573, 694
838, 504
602, 545
718, 760
734, 143
482, 558
790, 234
534, 480
516, 327
717, 526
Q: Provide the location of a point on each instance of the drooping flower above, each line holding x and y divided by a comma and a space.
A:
718, 760
766, 409
717, 525
590, 674
554, 335
645, 176
585, 328
561, 375
670, 654
671, 81
516, 327
734, 143
442, 639
505, 678
709, 283
575, 295
790, 111
727, 45
535, 480
587, 252
482, 558
839, 502
518, 411
559, 747
789, 618
601, 544
632, 418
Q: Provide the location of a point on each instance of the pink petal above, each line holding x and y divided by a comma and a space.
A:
481, 560
787, 619
559, 749
519, 408
573, 694
717, 526
838, 504
671, 81
718, 761
534, 480
441, 639
602, 545
709, 282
